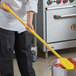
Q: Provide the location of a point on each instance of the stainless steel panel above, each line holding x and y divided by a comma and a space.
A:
60, 29
63, 45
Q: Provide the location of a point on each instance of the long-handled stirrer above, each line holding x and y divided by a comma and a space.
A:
64, 61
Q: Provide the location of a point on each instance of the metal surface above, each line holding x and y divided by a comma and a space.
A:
54, 23
60, 29
56, 71
64, 16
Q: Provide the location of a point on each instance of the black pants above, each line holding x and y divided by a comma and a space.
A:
9, 41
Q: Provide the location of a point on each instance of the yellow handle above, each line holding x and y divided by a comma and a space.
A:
33, 32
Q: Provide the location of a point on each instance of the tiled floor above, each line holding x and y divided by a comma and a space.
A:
41, 65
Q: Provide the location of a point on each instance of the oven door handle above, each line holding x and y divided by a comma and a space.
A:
64, 16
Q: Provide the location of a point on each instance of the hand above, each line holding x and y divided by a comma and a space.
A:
31, 26
4, 8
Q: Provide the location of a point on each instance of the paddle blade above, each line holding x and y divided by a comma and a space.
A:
66, 63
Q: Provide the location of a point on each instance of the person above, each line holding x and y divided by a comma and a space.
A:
14, 36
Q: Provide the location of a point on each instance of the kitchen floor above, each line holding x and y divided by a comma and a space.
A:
41, 65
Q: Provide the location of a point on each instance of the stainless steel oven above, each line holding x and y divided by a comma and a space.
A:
56, 23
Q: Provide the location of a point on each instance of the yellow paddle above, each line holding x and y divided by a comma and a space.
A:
64, 61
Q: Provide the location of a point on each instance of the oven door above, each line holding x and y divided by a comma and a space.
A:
59, 24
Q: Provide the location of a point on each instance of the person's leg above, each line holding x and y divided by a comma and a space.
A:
23, 53
6, 52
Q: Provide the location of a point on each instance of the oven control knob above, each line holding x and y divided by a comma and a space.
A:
71, 1
65, 1
58, 1
74, 27
49, 2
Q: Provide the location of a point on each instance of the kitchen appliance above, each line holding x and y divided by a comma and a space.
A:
55, 24
57, 71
